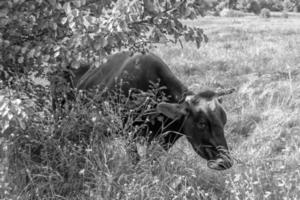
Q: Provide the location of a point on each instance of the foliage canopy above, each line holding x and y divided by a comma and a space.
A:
42, 38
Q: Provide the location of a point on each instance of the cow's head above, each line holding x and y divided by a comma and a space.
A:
203, 124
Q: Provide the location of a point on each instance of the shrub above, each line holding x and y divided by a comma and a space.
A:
284, 14
273, 5
249, 6
288, 5
231, 13
216, 13
265, 13
254, 7
63, 158
221, 6
296, 8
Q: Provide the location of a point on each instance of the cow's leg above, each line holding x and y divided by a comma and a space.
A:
142, 150
132, 152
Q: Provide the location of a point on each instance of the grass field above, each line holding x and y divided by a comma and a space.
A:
261, 59
258, 57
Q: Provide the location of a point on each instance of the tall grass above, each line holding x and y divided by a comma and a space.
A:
260, 58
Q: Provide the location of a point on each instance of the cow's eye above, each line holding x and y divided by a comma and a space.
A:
220, 100
201, 125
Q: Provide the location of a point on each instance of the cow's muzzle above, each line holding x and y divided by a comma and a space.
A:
220, 163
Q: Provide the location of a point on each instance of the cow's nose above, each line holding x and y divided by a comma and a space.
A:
220, 163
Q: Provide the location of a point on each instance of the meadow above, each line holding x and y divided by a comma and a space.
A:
258, 57
261, 59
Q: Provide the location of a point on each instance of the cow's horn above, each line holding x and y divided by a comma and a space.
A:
225, 92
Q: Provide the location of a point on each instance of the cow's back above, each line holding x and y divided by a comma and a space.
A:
133, 71
104, 74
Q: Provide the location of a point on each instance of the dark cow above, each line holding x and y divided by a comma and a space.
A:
199, 117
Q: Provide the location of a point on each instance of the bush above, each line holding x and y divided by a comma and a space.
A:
215, 13
284, 14
273, 5
254, 7
265, 13
296, 8
66, 157
288, 5
249, 6
221, 6
231, 13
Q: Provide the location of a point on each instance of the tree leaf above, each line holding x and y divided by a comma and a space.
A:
67, 8
22, 123
149, 7
86, 22
77, 3
5, 125
52, 2
56, 54
21, 59
64, 20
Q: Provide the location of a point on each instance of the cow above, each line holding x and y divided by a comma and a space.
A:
200, 117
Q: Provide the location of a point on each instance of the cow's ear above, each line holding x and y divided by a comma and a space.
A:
220, 100
172, 110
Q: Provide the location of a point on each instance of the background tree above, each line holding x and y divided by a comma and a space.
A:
232, 4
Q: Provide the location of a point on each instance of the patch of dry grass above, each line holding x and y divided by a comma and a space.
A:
261, 58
